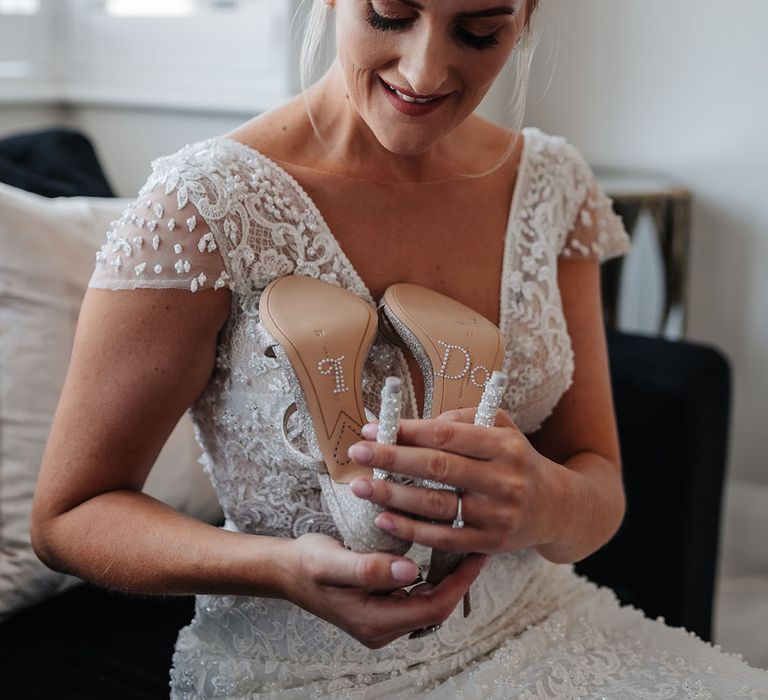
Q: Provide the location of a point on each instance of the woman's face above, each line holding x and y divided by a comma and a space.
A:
415, 69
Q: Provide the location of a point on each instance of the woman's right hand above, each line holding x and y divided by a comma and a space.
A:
361, 593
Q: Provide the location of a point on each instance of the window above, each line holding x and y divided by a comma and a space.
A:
149, 8
26, 49
220, 55
19, 7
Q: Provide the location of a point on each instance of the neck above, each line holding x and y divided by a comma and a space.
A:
348, 147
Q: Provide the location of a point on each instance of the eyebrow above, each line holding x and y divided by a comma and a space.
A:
490, 12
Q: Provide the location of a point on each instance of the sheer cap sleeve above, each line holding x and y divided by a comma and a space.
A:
161, 242
596, 232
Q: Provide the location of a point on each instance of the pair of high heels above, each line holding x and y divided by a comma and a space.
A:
321, 335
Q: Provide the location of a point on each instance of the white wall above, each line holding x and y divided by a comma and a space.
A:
17, 118
680, 87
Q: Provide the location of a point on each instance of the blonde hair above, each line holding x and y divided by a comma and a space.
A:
315, 27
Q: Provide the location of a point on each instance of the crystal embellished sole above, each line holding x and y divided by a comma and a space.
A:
323, 334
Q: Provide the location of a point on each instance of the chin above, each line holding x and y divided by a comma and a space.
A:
406, 144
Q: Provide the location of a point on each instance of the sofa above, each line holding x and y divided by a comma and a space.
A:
672, 403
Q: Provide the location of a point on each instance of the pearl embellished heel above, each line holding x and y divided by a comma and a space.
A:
443, 563
321, 335
458, 351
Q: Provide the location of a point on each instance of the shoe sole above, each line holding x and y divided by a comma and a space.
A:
326, 332
453, 344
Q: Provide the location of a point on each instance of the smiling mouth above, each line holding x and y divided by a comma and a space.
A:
412, 99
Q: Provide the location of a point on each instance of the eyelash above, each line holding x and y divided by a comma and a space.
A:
385, 24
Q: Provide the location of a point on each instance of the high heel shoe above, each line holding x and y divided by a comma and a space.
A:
443, 563
321, 335
458, 351
456, 348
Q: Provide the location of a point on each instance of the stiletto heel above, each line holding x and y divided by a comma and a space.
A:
490, 403
443, 563
457, 350
321, 335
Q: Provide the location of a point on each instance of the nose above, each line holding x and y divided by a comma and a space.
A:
425, 63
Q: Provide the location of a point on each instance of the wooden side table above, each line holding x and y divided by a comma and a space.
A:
669, 205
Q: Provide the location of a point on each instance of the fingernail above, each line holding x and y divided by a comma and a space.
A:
360, 452
404, 571
370, 430
485, 561
384, 522
362, 488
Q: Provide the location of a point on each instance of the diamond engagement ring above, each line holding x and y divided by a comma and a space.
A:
458, 521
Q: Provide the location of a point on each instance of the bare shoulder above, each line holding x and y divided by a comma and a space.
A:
485, 142
282, 133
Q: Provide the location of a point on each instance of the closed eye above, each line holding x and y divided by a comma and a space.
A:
477, 42
389, 24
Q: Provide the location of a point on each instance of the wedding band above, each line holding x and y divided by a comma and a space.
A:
458, 521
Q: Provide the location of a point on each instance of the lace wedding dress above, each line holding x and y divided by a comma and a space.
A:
220, 214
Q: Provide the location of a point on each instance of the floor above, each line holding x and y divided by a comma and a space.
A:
741, 617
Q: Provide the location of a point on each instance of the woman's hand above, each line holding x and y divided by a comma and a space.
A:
361, 593
511, 494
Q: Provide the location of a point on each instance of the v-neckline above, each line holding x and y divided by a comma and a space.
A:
362, 287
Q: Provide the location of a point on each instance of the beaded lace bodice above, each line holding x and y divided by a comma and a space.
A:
219, 214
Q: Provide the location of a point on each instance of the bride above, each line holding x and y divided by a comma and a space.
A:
378, 174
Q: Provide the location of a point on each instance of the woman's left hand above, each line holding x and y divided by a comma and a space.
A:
511, 494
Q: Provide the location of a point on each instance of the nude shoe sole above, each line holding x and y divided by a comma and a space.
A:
323, 334
456, 348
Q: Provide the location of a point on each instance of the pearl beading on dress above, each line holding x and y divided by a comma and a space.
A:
122, 243
533, 621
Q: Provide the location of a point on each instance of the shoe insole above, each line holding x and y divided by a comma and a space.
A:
463, 347
326, 332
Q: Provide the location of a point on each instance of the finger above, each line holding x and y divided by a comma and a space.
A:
435, 535
426, 606
459, 415
455, 585
460, 438
377, 571
452, 436
434, 504
427, 463
467, 415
